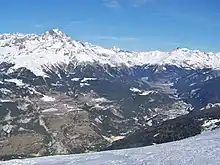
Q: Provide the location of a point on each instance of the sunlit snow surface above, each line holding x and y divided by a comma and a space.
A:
200, 150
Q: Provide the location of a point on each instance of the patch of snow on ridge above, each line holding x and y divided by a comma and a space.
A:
5, 91
16, 81
7, 128
136, 90
142, 92
113, 138
5, 101
98, 120
25, 121
210, 105
210, 124
101, 99
84, 84
47, 98
50, 110
88, 79
75, 79
145, 93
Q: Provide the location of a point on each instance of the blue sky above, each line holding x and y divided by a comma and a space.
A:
139, 25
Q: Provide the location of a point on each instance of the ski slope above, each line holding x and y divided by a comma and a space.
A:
200, 150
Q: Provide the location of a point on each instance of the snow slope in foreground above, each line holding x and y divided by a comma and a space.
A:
200, 150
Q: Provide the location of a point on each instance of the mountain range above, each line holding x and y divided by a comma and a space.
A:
62, 96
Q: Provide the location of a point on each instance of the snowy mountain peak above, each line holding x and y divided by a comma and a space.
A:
56, 33
182, 49
116, 49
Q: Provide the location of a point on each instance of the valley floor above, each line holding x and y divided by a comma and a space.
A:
199, 150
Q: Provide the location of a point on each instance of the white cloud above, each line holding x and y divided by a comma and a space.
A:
76, 22
138, 3
117, 3
111, 4
72, 23
117, 38
39, 26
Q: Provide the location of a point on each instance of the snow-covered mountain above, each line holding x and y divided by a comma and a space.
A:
33, 51
74, 97
199, 150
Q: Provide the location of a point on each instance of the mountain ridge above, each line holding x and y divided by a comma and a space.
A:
36, 50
